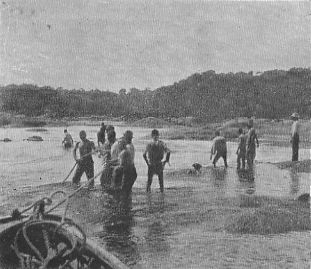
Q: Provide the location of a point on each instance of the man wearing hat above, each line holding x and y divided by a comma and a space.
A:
295, 136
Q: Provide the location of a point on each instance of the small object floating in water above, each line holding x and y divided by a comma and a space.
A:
304, 197
6, 140
197, 167
34, 138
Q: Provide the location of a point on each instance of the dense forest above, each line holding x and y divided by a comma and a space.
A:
207, 96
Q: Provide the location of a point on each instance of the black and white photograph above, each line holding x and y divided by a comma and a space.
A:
160, 134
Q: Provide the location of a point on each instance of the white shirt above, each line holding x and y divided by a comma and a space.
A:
115, 151
295, 127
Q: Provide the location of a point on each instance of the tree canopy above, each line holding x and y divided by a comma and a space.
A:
208, 96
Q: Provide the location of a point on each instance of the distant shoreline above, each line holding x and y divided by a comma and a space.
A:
275, 133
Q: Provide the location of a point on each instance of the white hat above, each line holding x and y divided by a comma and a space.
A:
295, 115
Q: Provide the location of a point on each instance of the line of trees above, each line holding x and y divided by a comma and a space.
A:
207, 96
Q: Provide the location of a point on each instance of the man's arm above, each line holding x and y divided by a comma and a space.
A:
239, 146
98, 138
74, 152
145, 156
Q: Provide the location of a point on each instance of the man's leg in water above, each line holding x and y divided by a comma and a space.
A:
160, 175
224, 156
89, 171
78, 173
150, 175
216, 158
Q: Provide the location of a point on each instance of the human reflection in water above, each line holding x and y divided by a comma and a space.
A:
157, 231
294, 185
219, 175
117, 231
248, 174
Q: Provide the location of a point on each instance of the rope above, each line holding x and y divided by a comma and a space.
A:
74, 192
93, 152
70, 172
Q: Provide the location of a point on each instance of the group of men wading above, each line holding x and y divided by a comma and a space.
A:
246, 151
119, 172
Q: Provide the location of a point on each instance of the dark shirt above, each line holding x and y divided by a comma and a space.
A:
101, 135
85, 148
155, 151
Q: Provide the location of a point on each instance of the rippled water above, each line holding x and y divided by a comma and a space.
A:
182, 228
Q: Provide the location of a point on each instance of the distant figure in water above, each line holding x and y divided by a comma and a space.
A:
251, 142
85, 162
153, 157
295, 136
241, 151
219, 147
109, 128
101, 135
68, 141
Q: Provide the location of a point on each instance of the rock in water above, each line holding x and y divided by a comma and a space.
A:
6, 140
35, 138
304, 197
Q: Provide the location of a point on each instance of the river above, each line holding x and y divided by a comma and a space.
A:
177, 229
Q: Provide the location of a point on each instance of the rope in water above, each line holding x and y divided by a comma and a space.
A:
48, 200
74, 192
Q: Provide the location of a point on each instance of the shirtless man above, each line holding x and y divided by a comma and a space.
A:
153, 156
122, 158
85, 162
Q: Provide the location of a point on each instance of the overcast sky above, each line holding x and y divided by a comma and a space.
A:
111, 45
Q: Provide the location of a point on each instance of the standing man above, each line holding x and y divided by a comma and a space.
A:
85, 162
241, 151
105, 152
219, 147
68, 141
127, 163
251, 142
295, 136
101, 135
153, 156
122, 159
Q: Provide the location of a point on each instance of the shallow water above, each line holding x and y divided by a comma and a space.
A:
180, 229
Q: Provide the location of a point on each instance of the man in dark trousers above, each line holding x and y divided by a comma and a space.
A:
85, 162
153, 156
295, 136
101, 135
251, 143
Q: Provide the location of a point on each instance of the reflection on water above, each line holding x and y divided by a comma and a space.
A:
117, 233
294, 185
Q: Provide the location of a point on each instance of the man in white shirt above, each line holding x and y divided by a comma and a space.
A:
295, 136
